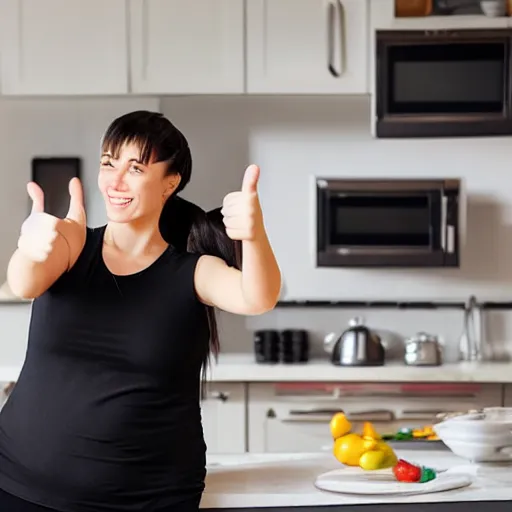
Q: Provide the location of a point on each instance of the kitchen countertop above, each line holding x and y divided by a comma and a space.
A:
243, 368
287, 480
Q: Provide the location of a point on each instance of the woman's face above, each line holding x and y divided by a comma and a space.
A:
131, 190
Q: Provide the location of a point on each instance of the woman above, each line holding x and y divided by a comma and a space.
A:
105, 415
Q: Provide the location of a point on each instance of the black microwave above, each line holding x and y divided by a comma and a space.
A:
443, 83
387, 223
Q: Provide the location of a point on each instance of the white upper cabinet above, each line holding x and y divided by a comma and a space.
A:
61, 47
187, 46
307, 46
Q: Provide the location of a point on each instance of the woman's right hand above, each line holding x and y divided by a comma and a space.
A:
40, 230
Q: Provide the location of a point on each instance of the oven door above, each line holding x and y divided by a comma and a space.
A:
452, 83
389, 225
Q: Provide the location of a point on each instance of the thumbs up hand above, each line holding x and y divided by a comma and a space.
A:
40, 230
241, 210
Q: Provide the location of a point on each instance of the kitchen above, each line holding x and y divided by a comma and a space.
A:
282, 110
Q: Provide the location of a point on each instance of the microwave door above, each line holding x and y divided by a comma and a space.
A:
451, 83
384, 222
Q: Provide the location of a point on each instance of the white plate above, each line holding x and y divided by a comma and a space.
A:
357, 481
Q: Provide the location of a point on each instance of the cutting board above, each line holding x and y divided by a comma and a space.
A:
350, 480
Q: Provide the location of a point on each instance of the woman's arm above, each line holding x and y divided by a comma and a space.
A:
47, 246
256, 288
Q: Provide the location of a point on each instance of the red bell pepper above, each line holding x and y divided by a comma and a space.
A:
406, 472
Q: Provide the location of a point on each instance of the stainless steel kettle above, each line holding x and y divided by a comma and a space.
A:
357, 346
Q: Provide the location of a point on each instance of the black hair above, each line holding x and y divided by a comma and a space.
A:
197, 231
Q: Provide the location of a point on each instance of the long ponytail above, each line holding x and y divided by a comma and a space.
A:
189, 228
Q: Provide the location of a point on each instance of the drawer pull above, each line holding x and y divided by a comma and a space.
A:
326, 414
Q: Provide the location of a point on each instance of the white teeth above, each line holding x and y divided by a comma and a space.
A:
119, 200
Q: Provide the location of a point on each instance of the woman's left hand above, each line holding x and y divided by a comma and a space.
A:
242, 211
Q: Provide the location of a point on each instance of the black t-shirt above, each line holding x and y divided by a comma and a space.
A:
106, 413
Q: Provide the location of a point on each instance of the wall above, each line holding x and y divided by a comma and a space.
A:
292, 139
295, 138
46, 127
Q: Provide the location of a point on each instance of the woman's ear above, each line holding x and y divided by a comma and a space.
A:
172, 183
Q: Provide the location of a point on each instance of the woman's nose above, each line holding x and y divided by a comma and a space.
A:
118, 180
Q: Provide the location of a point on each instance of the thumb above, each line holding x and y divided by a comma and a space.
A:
251, 177
37, 195
76, 210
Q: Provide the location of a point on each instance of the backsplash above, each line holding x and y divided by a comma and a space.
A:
292, 139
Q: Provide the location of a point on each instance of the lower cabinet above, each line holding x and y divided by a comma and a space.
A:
294, 417
224, 418
507, 396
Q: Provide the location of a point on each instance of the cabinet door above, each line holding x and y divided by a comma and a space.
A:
307, 46
187, 46
61, 47
223, 412
507, 398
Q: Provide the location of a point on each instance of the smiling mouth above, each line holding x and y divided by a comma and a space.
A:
119, 202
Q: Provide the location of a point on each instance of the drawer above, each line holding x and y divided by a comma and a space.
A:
294, 417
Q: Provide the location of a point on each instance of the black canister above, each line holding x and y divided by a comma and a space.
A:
266, 346
294, 346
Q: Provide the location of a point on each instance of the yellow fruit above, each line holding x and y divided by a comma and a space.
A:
369, 431
348, 449
369, 443
372, 460
390, 459
339, 425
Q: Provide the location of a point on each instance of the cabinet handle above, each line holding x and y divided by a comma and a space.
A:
321, 415
335, 17
145, 37
219, 395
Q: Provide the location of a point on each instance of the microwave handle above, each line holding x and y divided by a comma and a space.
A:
447, 230
335, 13
444, 206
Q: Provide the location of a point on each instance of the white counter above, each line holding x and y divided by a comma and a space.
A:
243, 368
288, 480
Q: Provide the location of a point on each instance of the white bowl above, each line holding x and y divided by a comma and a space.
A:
480, 452
479, 437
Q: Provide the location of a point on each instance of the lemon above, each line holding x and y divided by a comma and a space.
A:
391, 459
339, 425
372, 460
348, 449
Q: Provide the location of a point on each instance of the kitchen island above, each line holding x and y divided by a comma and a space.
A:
282, 482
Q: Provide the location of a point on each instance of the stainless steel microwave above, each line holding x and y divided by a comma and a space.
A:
383, 223
443, 83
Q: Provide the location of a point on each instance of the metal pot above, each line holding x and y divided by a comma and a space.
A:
423, 350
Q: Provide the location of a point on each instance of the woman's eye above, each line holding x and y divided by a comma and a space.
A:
136, 169
106, 164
